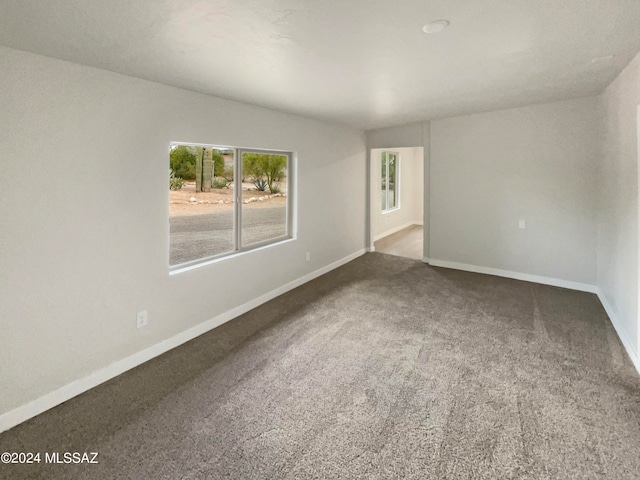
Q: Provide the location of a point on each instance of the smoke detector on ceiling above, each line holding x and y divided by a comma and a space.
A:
435, 27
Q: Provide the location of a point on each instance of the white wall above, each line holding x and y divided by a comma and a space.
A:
618, 205
410, 135
84, 209
536, 163
411, 192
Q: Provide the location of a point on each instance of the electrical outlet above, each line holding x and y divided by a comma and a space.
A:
308, 256
522, 224
142, 319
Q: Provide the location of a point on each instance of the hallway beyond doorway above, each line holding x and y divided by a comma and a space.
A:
405, 243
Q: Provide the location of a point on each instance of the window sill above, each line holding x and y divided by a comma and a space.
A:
188, 266
384, 212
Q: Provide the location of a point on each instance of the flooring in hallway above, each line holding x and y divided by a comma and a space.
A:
405, 243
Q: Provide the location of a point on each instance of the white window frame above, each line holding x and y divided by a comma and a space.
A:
386, 192
238, 248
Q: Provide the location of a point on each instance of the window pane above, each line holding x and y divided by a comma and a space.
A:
264, 203
383, 177
200, 202
393, 184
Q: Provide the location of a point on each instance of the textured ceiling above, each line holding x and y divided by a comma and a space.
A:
364, 63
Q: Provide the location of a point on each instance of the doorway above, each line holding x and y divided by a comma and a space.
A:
397, 201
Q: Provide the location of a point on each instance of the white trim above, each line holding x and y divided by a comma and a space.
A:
556, 282
391, 210
24, 412
394, 230
426, 259
203, 262
613, 316
638, 233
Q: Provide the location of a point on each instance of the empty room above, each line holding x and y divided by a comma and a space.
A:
339, 239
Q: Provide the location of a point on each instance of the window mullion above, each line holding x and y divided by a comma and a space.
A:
288, 219
386, 182
237, 193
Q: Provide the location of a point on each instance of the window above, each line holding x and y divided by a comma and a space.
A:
224, 200
390, 192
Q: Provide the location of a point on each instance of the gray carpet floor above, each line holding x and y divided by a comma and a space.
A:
383, 368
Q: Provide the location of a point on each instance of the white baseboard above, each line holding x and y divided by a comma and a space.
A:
20, 414
615, 321
394, 230
426, 259
583, 287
